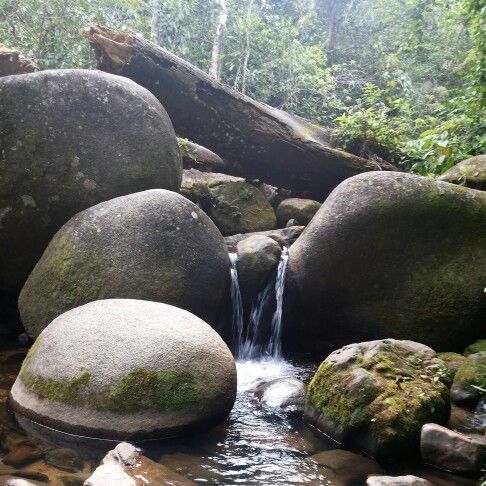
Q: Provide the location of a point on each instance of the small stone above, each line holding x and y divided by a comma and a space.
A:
22, 455
287, 392
451, 450
408, 480
301, 210
64, 459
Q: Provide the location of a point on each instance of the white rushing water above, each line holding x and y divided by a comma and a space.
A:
247, 343
237, 305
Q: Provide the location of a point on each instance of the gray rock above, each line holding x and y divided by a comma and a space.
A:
126, 369
377, 395
287, 392
195, 156
71, 139
391, 255
451, 450
302, 210
343, 468
408, 480
258, 258
283, 236
153, 245
469, 173
126, 466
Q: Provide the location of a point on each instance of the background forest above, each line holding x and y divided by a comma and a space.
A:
404, 80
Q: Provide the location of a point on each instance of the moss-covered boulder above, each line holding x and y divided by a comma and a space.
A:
258, 258
469, 173
453, 361
377, 395
478, 346
126, 369
70, 139
394, 255
300, 210
152, 245
239, 207
470, 376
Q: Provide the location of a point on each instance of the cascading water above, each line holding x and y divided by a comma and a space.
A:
237, 305
246, 344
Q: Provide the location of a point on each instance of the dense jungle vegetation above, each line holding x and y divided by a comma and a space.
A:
404, 80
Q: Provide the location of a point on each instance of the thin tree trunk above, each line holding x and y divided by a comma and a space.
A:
154, 21
215, 69
247, 46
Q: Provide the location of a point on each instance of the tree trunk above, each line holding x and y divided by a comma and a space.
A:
247, 46
215, 69
255, 140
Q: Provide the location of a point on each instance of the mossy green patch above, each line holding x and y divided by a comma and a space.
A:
138, 390
69, 391
477, 347
156, 390
472, 373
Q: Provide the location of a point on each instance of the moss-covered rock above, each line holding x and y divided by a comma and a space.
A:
469, 173
476, 347
300, 210
377, 395
239, 207
469, 380
125, 368
391, 255
153, 245
70, 139
453, 361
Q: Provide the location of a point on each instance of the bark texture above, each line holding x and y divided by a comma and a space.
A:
254, 139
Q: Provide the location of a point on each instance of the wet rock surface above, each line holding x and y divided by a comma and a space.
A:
408, 480
452, 451
287, 392
258, 258
153, 245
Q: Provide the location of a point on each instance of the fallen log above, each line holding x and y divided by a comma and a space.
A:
254, 140
13, 62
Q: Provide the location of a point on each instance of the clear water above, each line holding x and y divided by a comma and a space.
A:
237, 320
256, 444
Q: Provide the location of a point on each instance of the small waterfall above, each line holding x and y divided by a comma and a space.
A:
247, 345
275, 343
480, 413
237, 305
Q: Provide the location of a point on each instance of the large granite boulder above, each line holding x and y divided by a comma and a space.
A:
391, 255
469, 173
377, 395
152, 245
70, 139
125, 369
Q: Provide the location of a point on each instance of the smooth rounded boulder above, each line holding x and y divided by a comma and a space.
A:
70, 139
258, 258
470, 173
297, 209
377, 395
153, 245
391, 255
125, 369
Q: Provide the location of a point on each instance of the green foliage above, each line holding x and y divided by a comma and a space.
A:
403, 81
